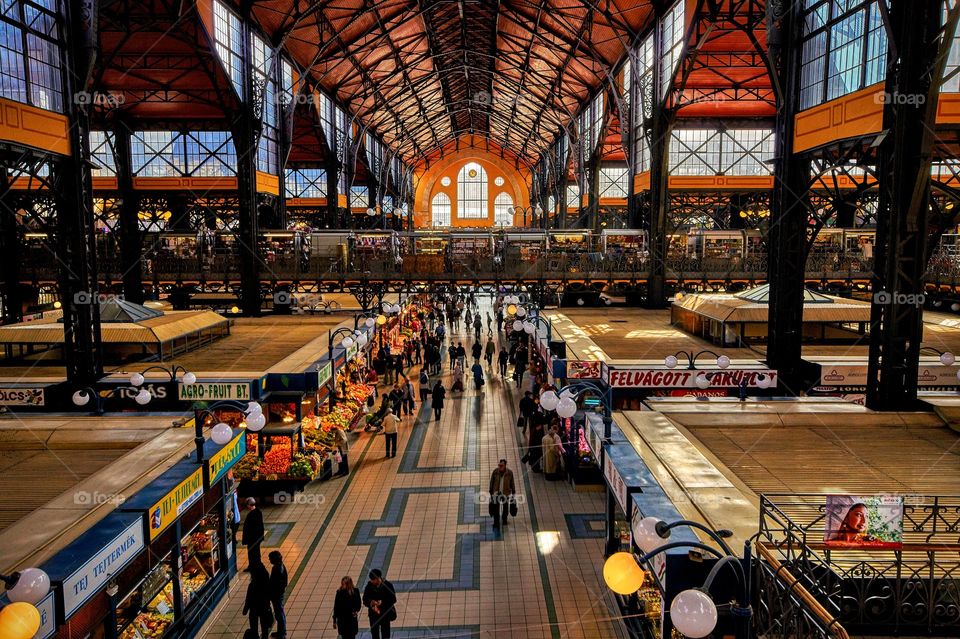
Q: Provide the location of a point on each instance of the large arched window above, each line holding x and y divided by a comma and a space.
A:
440, 208
503, 210
472, 192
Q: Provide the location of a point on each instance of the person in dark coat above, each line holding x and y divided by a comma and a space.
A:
381, 600
527, 408
346, 609
476, 351
253, 533
257, 602
278, 590
436, 400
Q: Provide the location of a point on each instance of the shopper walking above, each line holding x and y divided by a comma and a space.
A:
391, 422
436, 401
424, 385
257, 602
477, 351
477, 326
253, 533
477, 371
457, 378
346, 609
278, 590
343, 447
453, 353
502, 362
501, 491
528, 406
408, 402
489, 351
381, 601
461, 354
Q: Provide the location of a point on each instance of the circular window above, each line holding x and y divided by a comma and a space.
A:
472, 173
445, 181
498, 181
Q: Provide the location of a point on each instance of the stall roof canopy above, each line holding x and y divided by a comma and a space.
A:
761, 295
754, 307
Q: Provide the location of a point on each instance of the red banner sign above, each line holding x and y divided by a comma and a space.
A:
583, 370
685, 378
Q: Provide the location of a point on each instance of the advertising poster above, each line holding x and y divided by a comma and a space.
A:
583, 370
863, 521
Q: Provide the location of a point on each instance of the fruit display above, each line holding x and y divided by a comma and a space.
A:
276, 461
148, 625
304, 466
248, 466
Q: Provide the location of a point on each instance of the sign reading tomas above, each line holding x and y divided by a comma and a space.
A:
214, 391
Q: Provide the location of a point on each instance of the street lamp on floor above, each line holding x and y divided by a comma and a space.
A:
221, 432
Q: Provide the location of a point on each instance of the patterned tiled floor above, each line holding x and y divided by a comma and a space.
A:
419, 517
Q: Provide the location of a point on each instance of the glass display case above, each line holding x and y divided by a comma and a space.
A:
147, 611
200, 557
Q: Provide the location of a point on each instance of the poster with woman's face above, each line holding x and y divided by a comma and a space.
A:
863, 521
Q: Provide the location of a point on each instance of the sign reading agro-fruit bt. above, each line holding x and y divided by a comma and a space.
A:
213, 391
667, 378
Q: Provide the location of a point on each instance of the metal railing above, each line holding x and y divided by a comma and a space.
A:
914, 589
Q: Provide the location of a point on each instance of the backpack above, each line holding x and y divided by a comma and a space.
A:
423, 378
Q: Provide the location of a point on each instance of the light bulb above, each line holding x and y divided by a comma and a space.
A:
702, 381
723, 361
80, 398
947, 359
256, 422
622, 573
517, 325
136, 379
32, 586
549, 400
347, 342
189, 379
528, 328
693, 613
646, 535
566, 407
670, 361
370, 322
143, 397
221, 433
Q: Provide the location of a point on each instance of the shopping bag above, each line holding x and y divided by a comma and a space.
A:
513, 506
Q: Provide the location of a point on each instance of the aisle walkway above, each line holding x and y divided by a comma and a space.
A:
419, 518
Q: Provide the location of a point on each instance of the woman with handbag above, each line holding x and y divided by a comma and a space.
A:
346, 609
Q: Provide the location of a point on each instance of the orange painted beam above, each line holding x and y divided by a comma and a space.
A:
306, 202
36, 128
267, 183
185, 183
720, 182
641, 182
854, 115
948, 108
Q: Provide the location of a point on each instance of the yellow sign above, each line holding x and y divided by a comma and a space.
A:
226, 457
165, 512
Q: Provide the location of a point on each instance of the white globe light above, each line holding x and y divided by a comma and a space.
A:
521, 312
723, 361
958, 374
580, 301
31, 587
256, 422
371, 212
347, 342
693, 614
549, 400
702, 381
362, 339
136, 379
517, 325
566, 407
189, 378
253, 408
143, 397
763, 381
529, 328
947, 359
568, 392
955, 307
80, 398
670, 361
221, 433
645, 534
370, 322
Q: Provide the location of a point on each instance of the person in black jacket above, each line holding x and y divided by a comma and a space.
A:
257, 603
278, 590
253, 533
527, 408
346, 609
436, 400
380, 599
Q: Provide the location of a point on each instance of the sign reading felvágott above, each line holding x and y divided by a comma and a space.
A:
213, 391
224, 459
21, 397
102, 567
165, 512
667, 378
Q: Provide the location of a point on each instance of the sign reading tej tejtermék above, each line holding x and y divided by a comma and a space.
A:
212, 391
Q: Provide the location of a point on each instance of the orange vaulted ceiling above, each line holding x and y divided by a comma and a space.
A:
424, 73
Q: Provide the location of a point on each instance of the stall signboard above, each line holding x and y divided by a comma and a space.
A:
874, 521
685, 378
846, 375
615, 481
214, 391
658, 563
352, 351
48, 617
224, 459
165, 512
583, 370
87, 580
604, 373
21, 396
324, 374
